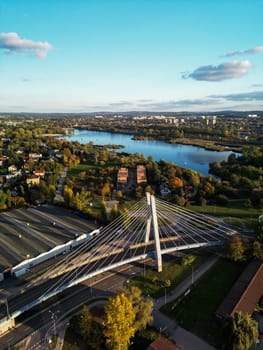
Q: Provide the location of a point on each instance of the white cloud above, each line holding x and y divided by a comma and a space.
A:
257, 85
245, 96
224, 71
254, 50
12, 43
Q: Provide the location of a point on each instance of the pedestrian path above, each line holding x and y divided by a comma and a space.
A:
183, 338
59, 194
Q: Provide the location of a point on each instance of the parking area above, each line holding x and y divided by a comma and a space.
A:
27, 232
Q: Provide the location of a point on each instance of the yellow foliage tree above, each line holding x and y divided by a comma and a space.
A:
105, 189
68, 194
119, 320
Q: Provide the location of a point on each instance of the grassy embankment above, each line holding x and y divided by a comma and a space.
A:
234, 214
152, 282
196, 311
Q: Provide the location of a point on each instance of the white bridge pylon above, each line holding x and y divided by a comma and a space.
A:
194, 230
154, 220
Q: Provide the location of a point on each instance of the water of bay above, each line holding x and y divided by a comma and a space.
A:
186, 156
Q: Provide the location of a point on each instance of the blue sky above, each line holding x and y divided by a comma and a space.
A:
121, 55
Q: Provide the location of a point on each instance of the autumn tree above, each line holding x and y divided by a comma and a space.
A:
104, 211
68, 194
119, 194
242, 332
237, 249
175, 182
119, 321
126, 217
66, 155
85, 322
149, 189
73, 161
105, 189
18, 201
142, 307
114, 213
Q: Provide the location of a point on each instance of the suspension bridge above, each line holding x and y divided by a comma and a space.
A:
150, 228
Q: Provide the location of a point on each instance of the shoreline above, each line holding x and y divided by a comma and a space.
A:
207, 145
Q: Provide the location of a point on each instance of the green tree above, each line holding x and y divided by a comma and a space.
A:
52, 192
3, 197
114, 212
119, 320
104, 212
142, 307
237, 249
259, 231
187, 260
95, 337
242, 332
85, 322
167, 283
8, 198
258, 250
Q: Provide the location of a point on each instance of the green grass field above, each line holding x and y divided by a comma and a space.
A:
233, 210
153, 282
235, 214
82, 167
196, 311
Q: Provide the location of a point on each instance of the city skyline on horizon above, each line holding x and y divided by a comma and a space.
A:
115, 56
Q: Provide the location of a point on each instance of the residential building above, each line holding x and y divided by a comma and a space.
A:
122, 176
39, 172
141, 174
33, 180
162, 344
245, 293
12, 168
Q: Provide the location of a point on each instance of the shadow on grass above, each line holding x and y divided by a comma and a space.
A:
196, 310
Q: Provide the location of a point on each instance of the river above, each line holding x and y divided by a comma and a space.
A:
187, 156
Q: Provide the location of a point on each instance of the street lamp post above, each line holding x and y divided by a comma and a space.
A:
192, 274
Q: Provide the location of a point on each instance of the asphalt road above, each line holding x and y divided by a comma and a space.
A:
28, 232
106, 284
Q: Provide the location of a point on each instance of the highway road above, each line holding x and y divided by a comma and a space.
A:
106, 284
29, 232
23, 298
